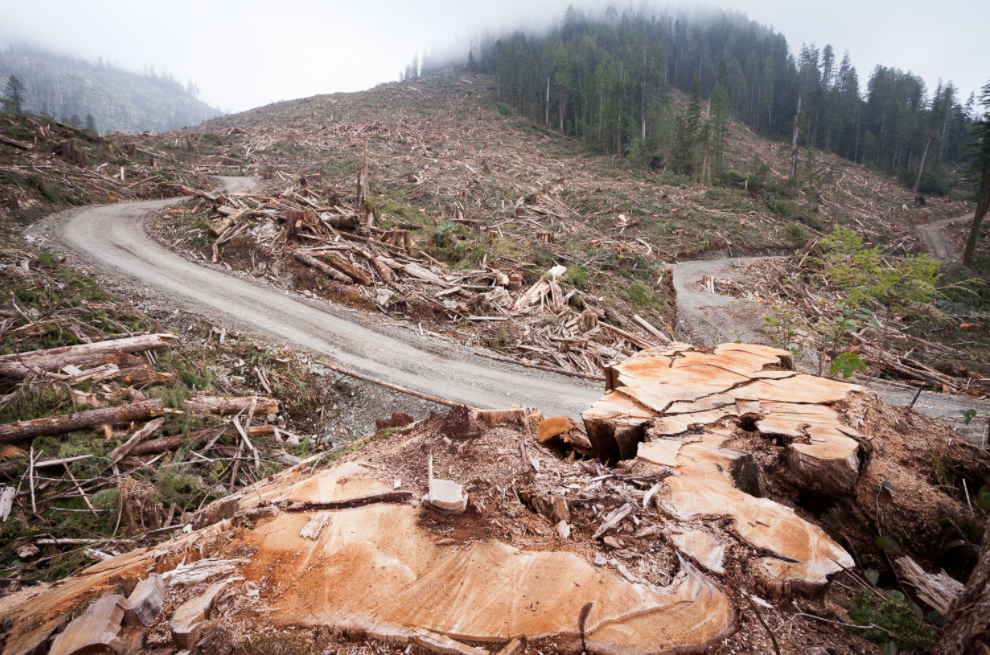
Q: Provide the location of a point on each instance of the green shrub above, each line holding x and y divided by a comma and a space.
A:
640, 294
895, 620
578, 275
796, 233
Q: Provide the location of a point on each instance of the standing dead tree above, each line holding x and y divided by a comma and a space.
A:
365, 214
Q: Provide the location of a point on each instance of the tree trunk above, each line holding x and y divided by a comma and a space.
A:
317, 264
794, 140
86, 354
968, 629
921, 166
175, 441
348, 269
367, 217
23, 430
981, 210
221, 406
546, 119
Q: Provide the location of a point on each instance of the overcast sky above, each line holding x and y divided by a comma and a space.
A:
246, 53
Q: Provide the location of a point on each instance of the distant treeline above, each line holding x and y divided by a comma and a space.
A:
75, 90
607, 80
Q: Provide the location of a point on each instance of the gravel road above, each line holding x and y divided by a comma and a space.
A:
710, 319
113, 237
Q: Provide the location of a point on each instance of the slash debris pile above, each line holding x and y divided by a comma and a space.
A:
811, 310
462, 534
337, 249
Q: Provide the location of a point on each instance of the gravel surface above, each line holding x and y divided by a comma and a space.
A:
113, 238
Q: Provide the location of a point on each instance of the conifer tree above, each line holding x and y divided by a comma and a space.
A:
14, 91
978, 158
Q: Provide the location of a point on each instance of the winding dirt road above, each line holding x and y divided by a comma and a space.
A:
114, 238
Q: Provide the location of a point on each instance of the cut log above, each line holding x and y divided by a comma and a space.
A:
95, 630
383, 270
82, 355
187, 622
313, 262
939, 590
70, 422
222, 406
531, 296
348, 269
123, 449
173, 442
415, 270
146, 601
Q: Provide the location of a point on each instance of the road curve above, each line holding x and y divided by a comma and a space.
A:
710, 319
933, 238
114, 238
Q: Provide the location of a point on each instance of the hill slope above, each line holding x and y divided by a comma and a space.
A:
484, 194
117, 99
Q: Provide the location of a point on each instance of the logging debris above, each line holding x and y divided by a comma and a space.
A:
653, 550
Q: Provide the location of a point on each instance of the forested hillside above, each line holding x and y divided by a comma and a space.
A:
101, 96
609, 79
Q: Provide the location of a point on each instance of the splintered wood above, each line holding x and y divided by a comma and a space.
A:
673, 408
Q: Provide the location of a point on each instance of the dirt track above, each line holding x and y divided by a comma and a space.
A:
113, 237
708, 319
933, 238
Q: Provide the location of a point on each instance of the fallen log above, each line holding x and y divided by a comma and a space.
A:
320, 266
652, 330
639, 342
387, 385
122, 450
195, 192
20, 145
541, 367
222, 406
86, 354
348, 269
175, 441
22, 430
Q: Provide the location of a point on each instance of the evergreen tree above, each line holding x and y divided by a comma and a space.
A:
14, 92
719, 101
978, 158
90, 123
605, 79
